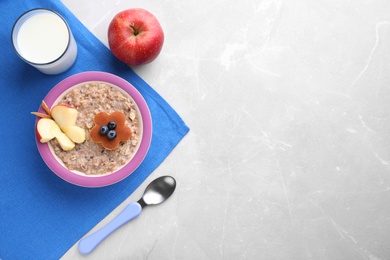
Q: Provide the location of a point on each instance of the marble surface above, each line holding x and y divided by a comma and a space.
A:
288, 156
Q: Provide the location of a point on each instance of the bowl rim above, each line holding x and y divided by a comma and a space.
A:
101, 180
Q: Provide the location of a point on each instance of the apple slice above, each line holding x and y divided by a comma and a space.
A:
64, 141
75, 133
64, 115
48, 129
44, 129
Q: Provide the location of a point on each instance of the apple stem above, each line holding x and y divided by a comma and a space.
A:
135, 31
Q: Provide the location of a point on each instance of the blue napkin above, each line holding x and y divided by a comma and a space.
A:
41, 215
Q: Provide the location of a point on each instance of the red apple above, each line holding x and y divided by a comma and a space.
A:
135, 36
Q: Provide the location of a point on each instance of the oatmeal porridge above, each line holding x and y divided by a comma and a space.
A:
89, 157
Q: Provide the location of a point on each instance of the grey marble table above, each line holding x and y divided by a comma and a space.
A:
288, 156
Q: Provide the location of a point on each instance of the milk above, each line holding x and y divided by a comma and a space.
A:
43, 39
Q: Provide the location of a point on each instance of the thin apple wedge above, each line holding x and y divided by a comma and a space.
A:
41, 115
46, 108
75, 133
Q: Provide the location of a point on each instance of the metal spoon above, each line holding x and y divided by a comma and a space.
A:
157, 192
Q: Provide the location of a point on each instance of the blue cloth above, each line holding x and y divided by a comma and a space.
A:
42, 216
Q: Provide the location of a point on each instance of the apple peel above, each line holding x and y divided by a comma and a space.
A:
46, 108
41, 115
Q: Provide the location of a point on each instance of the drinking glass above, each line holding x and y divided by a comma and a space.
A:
42, 38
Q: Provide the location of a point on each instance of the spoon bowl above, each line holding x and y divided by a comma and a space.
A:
158, 191
155, 193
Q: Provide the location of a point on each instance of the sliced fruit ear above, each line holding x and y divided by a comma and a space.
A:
46, 108
42, 115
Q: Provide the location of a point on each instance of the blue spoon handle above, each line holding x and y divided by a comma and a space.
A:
87, 244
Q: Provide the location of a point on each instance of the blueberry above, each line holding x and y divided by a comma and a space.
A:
111, 125
111, 134
103, 130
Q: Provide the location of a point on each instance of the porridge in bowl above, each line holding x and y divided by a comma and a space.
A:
90, 157
65, 129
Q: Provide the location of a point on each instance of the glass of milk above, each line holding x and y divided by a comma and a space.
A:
43, 39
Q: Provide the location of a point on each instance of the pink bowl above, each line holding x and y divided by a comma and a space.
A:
98, 180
